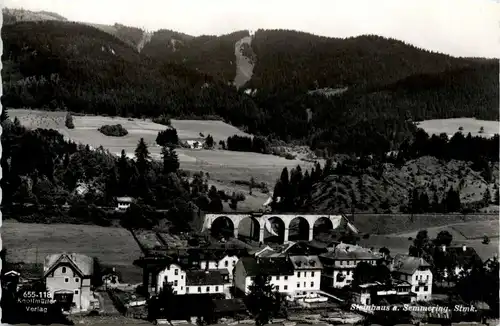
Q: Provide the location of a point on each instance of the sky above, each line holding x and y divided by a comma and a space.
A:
456, 27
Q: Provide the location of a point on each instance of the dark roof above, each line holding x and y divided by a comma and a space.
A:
345, 251
306, 262
462, 257
407, 264
208, 277
83, 265
267, 266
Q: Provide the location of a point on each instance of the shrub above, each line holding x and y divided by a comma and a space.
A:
486, 240
163, 120
69, 121
113, 130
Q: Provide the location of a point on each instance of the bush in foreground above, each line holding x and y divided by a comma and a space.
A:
113, 130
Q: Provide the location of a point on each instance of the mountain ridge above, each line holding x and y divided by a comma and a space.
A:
386, 84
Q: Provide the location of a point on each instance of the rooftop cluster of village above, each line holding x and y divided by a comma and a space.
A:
324, 277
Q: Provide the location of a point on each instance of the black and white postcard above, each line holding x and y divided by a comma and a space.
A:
240, 163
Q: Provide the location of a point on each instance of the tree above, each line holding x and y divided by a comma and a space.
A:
486, 197
496, 199
251, 185
443, 238
363, 273
4, 115
69, 121
142, 157
420, 244
209, 141
168, 137
170, 160
262, 301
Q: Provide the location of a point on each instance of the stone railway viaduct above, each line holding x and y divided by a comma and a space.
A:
261, 219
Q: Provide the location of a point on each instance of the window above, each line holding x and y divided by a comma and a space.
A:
199, 289
182, 287
298, 274
76, 291
298, 285
286, 278
426, 288
341, 262
187, 289
77, 280
63, 270
305, 274
417, 289
234, 262
216, 289
175, 292
182, 277
304, 284
66, 280
175, 283
176, 272
277, 278
277, 287
208, 288
312, 284
286, 287
226, 263
312, 274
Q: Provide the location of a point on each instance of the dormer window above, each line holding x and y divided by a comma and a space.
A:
63, 270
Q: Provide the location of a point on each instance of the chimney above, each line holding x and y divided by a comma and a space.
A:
464, 248
444, 248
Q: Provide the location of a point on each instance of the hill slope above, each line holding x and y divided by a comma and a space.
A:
81, 67
386, 84
389, 192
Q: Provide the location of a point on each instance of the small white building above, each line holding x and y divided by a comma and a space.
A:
193, 281
123, 203
219, 261
415, 271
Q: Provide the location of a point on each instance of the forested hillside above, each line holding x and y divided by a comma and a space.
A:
69, 65
390, 84
213, 55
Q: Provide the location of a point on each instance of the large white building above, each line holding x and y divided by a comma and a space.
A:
295, 276
340, 263
211, 281
415, 271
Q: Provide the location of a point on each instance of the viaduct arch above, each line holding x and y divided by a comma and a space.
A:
261, 219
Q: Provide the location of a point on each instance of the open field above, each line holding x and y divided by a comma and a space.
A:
468, 233
223, 166
115, 247
402, 224
450, 126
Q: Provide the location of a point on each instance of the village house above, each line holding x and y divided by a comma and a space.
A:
123, 203
68, 278
340, 263
373, 293
415, 271
218, 261
307, 273
279, 269
193, 281
458, 260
